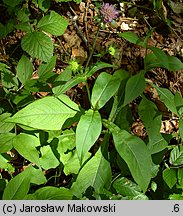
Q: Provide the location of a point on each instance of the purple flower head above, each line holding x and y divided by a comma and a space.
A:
109, 12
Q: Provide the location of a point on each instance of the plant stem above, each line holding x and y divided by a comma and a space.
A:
93, 47
88, 92
88, 61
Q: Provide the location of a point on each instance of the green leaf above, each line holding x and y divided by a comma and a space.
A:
174, 63
181, 128
180, 177
176, 156
154, 186
171, 63
24, 69
135, 153
5, 164
12, 3
178, 100
23, 16
68, 154
61, 80
53, 193
89, 126
161, 56
131, 37
67, 142
68, 85
167, 98
126, 187
169, 176
6, 143
140, 197
134, 87
53, 24
151, 61
160, 59
44, 5
105, 87
4, 126
124, 118
37, 176
48, 159
152, 119
24, 27
25, 145
48, 113
96, 173
9, 80
23, 98
72, 165
38, 45
17, 187
6, 29
176, 197
30, 197
98, 66
45, 70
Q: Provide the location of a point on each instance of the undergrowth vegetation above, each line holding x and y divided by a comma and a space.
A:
53, 146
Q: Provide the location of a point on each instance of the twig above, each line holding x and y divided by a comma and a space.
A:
74, 20
60, 42
3, 48
85, 19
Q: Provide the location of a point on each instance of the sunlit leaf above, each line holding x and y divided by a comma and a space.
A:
87, 132
38, 45
53, 24
167, 98
6, 143
45, 71
68, 154
131, 37
169, 176
25, 145
24, 69
98, 66
176, 156
134, 87
48, 160
152, 120
131, 149
161, 56
96, 173
68, 85
126, 187
5, 164
5, 127
48, 113
17, 187
104, 88
53, 193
